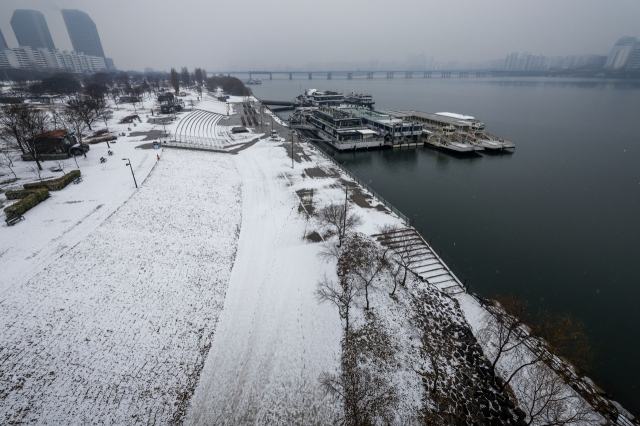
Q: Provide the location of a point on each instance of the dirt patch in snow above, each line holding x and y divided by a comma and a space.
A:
149, 136
316, 172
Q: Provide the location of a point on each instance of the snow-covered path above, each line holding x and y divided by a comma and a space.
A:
273, 339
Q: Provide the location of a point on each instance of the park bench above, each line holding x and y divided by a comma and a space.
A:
77, 180
12, 220
110, 152
103, 160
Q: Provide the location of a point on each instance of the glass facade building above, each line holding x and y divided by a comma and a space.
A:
82, 32
31, 29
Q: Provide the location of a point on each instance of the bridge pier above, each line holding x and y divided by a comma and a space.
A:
249, 76
328, 76
427, 74
408, 75
290, 76
310, 78
390, 75
369, 75
349, 76
270, 76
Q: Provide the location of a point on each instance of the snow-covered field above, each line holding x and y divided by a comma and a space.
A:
115, 329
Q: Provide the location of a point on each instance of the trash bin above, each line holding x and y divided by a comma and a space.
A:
155, 145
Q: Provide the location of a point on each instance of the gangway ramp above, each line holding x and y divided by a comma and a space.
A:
422, 260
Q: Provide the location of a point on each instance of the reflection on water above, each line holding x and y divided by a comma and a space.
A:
555, 223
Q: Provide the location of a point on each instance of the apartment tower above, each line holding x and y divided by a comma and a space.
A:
31, 29
82, 32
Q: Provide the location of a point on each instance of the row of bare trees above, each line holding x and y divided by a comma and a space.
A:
363, 383
20, 124
525, 354
520, 358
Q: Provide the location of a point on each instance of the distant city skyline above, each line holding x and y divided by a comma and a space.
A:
579, 37
37, 51
279, 33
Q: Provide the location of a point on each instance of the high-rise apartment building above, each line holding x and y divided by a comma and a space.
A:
82, 32
633, 63
620, 53
3, 42
31, 29
511, 63
24, 57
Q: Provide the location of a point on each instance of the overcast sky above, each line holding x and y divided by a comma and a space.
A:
251, 34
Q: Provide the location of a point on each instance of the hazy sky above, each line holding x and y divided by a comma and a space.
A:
251, 34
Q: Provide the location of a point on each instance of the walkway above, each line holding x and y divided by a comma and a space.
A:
273, 339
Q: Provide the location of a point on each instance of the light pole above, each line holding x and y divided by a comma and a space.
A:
131, 167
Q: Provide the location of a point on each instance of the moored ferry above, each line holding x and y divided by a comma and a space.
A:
316, 98
360, 99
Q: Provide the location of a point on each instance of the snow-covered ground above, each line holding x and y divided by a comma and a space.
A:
116, 328
273, 339
69, 215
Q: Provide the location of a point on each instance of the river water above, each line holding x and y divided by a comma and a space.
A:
556, 223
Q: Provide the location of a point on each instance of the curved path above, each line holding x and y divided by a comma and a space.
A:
273, 339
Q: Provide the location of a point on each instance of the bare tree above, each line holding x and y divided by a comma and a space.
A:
363, 386
364, 260
62, 165
339, 219
33, 123
175, 80
547, 400
76, 121
37, 171
198, 74
11, 123
403, 246
507, 331
342, 294
6, 160
184, 76
504, 328
115, 95
85, 109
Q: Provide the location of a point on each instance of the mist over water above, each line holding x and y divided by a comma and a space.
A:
556, 223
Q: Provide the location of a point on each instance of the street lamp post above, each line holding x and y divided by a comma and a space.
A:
131, 167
